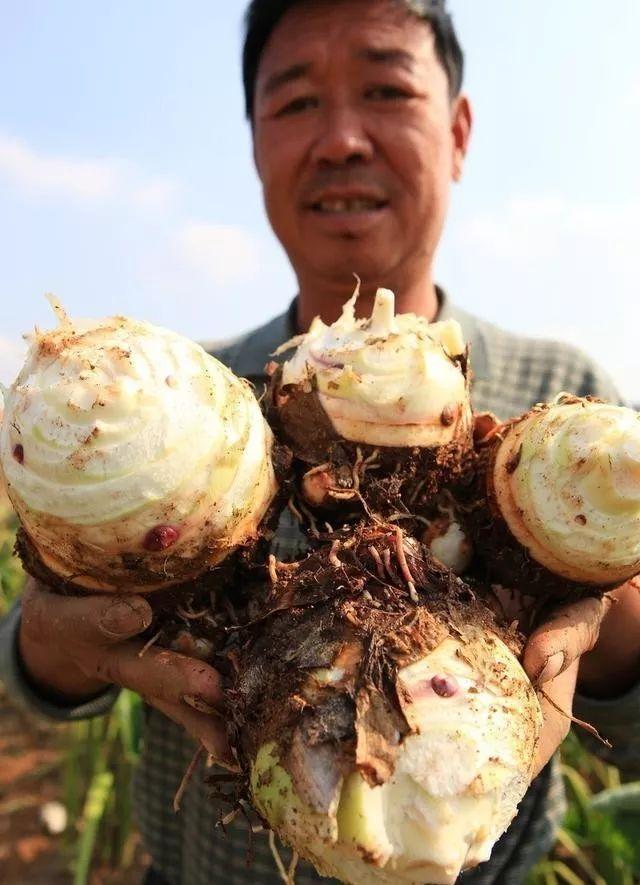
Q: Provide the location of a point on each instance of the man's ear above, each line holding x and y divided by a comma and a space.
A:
461, 124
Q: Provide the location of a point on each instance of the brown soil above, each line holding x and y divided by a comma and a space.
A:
30, 776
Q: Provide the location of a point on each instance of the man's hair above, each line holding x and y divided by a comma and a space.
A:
263, 16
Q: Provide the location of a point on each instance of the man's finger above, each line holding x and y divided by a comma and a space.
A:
572, 631
206, 729
90, 620
160, 674
557, 706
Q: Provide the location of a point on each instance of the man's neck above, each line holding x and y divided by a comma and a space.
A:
326, 300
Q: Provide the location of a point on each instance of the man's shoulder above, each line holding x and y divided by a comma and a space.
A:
223, 349
506, 345
522, 370
246, 354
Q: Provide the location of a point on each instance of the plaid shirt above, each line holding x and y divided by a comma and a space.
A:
511, 373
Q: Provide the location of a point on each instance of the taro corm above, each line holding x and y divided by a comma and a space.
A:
557, 502
385, 727
377, 413
134, 460
378, 712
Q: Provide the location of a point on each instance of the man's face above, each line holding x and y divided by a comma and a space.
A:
356, 139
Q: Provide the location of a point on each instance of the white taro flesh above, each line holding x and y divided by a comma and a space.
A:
458, 779
566, 480
387, 380
132, 457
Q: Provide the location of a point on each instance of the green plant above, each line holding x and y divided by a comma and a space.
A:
600, 838
99, 755
11, 574
100, 758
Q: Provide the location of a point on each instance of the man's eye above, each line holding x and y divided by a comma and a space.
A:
387, 93
297, 106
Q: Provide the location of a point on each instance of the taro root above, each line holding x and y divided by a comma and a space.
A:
446, 537
134, 460
385, 727
375, 410
557, 503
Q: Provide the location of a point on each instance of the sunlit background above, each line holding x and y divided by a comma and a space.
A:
126, 180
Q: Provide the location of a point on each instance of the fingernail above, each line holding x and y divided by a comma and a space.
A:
199, 704
552, 668
126, 618
225, 761
229, 765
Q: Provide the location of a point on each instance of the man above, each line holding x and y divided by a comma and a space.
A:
359, 128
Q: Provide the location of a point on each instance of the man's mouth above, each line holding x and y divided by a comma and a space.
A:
347, 205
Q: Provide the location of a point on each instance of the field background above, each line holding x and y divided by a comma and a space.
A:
86, 770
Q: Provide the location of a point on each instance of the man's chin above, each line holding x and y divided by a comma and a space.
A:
338, 259
371, 271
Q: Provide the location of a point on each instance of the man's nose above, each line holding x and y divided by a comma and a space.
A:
342, 138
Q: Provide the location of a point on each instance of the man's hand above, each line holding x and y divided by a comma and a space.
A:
73, 647
552, 658
594, 641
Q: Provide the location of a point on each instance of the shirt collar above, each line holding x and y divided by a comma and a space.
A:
255, 350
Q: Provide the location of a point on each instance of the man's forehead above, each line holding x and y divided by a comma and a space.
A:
364, 28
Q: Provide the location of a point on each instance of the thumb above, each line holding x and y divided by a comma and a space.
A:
91, 619
556, 644
124, 617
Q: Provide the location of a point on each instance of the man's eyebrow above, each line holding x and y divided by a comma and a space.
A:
280, 78
391, 56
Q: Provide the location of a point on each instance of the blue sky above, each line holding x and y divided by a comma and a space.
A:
126, 181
